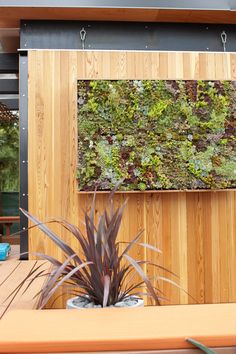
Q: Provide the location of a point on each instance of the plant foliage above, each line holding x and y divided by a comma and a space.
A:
9, 151
158, 134
103, 270
201, 346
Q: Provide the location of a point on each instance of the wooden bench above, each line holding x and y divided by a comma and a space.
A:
7, 222
145, 329
12, 273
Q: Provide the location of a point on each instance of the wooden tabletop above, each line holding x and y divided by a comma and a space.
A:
12, 273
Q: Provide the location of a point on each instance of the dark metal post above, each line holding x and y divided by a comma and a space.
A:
23, 109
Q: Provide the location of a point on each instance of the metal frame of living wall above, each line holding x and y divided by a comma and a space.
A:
104, 36
23, 158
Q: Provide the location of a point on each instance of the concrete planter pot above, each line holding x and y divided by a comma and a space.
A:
84, 303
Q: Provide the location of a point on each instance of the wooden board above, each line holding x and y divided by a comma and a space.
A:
196, 231
12, 274
218, 350
11, 16
139, 329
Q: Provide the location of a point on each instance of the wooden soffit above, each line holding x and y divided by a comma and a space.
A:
201, 11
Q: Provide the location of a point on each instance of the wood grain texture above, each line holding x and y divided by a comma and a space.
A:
11, 16
12, 274
196, 231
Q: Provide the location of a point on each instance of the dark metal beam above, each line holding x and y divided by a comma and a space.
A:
11, 103
138, 4
8, 86
9, 63
126, 36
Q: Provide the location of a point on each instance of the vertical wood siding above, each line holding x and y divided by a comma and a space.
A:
195, 230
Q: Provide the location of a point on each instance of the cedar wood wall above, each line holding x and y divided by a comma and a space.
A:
195, 230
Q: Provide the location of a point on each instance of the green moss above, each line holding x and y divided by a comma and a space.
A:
157, 134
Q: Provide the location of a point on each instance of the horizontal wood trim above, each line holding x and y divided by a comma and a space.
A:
9, 219
196, 231
122, 4
161, 191
222, 350
111, 330
130, 65
13, 15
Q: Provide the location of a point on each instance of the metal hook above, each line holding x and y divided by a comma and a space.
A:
224, 40
83, 34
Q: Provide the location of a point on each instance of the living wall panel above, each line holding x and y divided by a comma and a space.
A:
195, 230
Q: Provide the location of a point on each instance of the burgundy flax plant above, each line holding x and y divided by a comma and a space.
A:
101, 271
